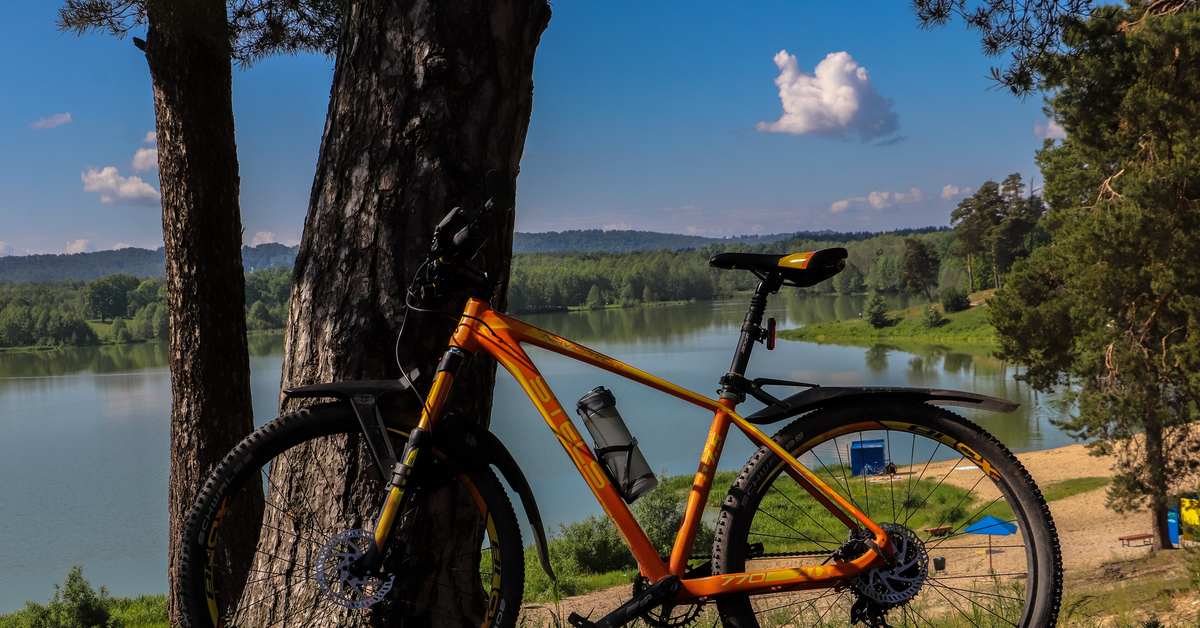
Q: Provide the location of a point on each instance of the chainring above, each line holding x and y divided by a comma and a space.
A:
334, 576
667, 615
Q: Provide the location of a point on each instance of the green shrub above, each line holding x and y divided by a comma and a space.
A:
75, 604
876, 312
954, 300
932, 317
595, 545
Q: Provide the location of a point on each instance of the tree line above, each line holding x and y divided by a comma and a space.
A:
130, 261
55, 313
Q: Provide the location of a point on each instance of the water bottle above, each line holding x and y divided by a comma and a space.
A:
616, 447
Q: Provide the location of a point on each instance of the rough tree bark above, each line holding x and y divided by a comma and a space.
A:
187, 50
427, 97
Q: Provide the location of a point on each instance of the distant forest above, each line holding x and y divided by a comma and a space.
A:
145, 263
76, 311
129, 261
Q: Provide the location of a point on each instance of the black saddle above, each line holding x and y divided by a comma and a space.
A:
797, 269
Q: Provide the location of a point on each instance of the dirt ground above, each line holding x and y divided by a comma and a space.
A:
1088, 531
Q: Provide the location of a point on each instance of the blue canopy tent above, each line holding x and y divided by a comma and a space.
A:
991, 526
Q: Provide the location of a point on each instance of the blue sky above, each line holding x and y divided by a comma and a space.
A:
665, 115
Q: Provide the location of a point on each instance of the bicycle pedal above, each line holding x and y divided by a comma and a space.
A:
579, 621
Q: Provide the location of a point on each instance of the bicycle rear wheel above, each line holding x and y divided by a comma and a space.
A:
976, 544
271, 536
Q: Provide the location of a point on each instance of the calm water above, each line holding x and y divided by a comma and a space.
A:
83, 433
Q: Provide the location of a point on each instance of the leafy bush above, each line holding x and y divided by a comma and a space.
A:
74, 605
595, 545
954, 300
590, 555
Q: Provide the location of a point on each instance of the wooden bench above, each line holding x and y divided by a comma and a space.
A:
1127, 541
938, 531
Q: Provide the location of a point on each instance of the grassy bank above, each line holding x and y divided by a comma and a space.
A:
968, 326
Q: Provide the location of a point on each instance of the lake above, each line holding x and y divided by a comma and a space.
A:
84, 432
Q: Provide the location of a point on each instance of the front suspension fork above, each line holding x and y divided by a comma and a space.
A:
399, 488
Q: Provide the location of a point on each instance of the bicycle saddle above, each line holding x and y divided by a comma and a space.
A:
797, 269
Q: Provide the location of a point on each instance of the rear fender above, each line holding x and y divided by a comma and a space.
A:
820, 396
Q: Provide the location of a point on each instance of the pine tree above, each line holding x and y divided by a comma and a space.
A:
1112, 302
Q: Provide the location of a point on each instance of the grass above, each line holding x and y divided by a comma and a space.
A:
1074, 486
968, 326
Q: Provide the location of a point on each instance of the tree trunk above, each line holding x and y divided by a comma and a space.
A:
970, 276
427, 97
995, 269
187, 50
1156, 478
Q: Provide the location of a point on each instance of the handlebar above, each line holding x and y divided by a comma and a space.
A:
453, 235
454, 231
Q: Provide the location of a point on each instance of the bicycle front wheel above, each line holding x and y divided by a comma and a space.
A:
272, 537
975, 542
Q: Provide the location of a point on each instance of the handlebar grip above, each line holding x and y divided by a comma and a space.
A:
499, 190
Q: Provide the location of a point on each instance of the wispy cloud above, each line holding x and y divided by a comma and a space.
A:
113, 188
52, 121
80, 246
952, 191
618, 226
1048, 130
880, 200
836, 101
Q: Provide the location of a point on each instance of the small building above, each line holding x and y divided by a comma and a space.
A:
867, 457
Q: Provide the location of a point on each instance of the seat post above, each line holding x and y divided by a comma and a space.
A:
752, 332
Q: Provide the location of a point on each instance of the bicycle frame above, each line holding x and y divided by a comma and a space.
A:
482, 330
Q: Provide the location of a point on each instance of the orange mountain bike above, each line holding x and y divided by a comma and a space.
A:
872, 506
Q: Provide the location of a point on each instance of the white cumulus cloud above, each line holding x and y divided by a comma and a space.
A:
951, 191
6, 249
836, 101
880, 200
838, 206
150, 138
618, 226
262, 237
113, 188
1048, 130
145, 159
52, 121
80, 246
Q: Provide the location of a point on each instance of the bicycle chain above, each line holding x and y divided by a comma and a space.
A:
778, 555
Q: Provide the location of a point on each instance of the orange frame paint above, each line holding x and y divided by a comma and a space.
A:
482, 330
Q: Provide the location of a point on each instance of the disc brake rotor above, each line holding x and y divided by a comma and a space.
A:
334, 576
897, 584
